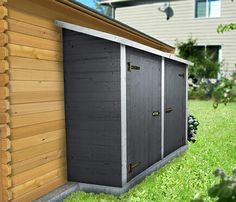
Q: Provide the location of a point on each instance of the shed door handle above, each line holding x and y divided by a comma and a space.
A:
132, 67
155, 113
168, 110
181, 75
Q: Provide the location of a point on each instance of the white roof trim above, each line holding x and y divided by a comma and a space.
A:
120, 40
110, 1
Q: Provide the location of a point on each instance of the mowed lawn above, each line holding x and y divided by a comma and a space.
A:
191, 173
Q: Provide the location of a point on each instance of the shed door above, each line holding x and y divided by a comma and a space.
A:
143, 98
175, 106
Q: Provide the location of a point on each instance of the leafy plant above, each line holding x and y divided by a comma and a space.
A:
202, 91
192, 128
225, 191
204, 66
197, 93
224, 91
226, 28
220, 91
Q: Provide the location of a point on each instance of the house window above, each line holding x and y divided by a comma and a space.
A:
212, 52
208, 8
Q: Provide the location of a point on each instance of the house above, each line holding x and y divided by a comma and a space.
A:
34, 52
186, 18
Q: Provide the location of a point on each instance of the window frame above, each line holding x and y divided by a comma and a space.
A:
219, 59
207, 14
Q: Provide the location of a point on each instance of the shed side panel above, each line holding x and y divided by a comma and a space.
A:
92, 103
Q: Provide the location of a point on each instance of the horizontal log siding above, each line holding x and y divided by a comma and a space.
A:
38, 163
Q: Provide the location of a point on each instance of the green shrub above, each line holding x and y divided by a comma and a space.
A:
203, 91
197, 93
204, 65
224, 91
225, 191
221, 91
192, 128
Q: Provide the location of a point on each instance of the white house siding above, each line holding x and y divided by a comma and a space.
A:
147, 18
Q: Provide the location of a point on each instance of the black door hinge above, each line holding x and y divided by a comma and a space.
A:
132, 67
131, 167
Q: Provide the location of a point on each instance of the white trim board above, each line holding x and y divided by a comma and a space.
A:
162, 105
111, 1
186, 94
123, 114
120, 40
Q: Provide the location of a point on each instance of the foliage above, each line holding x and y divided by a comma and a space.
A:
197, 93
204, 66
202, 91
226, 189
223, 191
105, 10
191, 173
192, 128
220, 91
226, 28
223, 91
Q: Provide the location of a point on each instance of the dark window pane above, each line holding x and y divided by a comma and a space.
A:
200, 50
213, 53
201, 6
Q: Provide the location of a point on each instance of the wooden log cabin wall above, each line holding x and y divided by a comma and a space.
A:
32, 128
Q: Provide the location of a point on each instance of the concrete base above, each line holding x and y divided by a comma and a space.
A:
62, 192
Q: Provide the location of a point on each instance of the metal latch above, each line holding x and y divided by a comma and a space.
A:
155, 113
181, 75
132, 67
131, 167
168, 110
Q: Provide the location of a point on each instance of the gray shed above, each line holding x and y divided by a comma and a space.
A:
126, 109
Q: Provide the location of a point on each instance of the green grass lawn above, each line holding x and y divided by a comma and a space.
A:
191, 173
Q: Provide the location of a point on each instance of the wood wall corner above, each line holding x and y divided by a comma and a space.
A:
5, 142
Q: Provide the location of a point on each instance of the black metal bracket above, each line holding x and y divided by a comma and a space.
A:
132, 67
168, 110
131, 167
